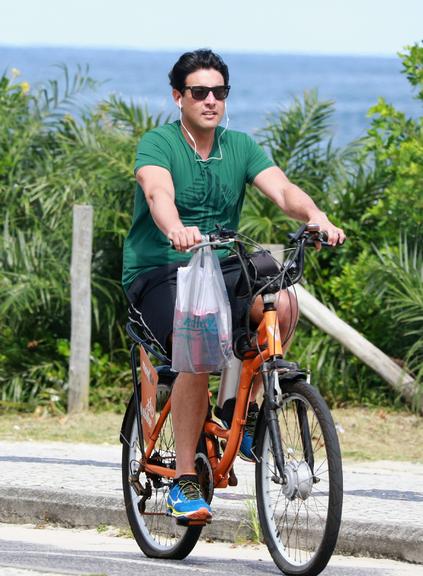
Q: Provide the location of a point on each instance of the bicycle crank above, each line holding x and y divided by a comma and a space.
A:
205, 476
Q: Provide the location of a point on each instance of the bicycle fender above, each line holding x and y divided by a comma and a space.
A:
125, 418
289, 370
292, 376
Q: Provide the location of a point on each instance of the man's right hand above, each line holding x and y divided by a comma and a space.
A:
184, 237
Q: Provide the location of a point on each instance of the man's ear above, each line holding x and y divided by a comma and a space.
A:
177, 96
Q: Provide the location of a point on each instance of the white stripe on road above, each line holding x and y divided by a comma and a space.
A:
146, 562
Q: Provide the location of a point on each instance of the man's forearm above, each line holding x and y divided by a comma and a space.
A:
164, 212
166, 217
289, 197
297, 204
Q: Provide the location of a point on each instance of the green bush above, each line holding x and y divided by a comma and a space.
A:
373, 189
55, 153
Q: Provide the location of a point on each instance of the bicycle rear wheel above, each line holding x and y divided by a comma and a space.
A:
300, 519
157, 534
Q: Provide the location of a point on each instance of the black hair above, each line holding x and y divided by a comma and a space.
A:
191, 62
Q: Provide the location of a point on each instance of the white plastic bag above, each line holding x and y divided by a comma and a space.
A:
202, 326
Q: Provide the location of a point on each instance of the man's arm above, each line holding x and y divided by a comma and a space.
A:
294, 202
160, 195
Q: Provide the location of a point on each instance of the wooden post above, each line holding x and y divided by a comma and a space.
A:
79, 367
329, 322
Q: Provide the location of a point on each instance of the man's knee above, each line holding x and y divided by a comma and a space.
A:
287, 305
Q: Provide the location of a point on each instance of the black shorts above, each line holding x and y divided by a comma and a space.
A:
153, 295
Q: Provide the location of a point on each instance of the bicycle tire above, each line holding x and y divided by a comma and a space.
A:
156, 534
300, 520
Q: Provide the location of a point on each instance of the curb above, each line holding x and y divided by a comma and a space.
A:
73, 509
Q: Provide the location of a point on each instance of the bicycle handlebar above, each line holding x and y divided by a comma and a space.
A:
310, 232
291, 270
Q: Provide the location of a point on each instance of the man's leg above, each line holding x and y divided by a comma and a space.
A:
189, 410
287, 307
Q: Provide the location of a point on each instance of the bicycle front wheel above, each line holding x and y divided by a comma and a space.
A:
300, 518
157, 534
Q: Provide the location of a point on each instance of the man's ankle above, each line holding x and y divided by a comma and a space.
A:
185, 477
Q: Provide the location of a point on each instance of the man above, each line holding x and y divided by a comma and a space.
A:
191, 174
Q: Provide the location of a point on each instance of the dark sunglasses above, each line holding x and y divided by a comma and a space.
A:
201, 92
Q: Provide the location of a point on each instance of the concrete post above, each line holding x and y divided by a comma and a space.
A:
79, 367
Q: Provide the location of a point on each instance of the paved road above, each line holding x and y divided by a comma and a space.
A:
30, 551
80, 485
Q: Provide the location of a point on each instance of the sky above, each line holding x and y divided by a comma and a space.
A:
362, 27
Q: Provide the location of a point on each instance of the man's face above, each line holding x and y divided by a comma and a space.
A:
202, 114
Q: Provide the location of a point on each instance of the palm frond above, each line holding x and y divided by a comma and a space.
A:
33, 277
56, 97
294, 133
132, 117
262, 219
399, 279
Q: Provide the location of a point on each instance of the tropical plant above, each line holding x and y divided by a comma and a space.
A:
397, 280
372, 189
56, 152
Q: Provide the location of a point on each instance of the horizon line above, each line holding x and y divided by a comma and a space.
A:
239, 52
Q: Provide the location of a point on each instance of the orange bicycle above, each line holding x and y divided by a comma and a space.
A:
298, 462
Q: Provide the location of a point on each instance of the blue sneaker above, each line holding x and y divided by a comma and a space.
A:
185, 501
245, 450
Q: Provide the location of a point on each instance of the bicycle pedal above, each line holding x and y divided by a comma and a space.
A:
189, 523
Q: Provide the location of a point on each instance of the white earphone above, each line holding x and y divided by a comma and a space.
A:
180, 103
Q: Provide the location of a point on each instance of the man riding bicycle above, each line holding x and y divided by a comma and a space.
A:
191, 175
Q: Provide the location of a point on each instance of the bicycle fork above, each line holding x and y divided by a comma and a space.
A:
271, 384
270, 406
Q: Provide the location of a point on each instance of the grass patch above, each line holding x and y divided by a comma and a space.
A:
365, 434
379, 434
94, 428
253, 522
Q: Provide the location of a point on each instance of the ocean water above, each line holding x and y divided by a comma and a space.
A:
261, 83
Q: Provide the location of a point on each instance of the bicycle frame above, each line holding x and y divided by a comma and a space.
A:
269, 347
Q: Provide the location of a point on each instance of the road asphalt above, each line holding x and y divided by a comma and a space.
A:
26, 550
79, 485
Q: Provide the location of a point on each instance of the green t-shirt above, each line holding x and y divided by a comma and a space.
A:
206, 193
